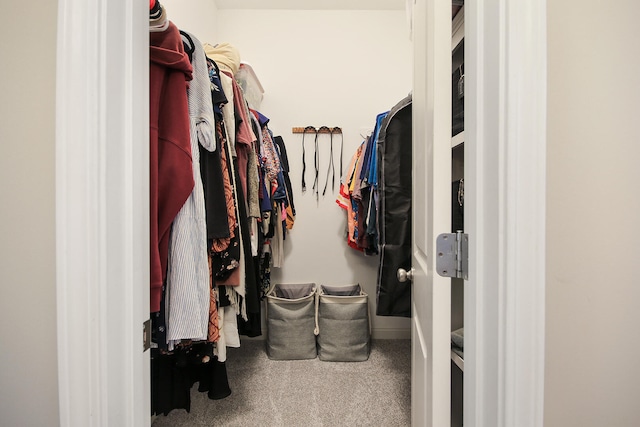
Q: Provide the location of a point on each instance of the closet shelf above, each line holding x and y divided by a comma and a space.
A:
457, 139
459, 361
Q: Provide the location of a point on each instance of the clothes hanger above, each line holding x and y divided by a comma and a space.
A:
154, 7
158, 21
189, 45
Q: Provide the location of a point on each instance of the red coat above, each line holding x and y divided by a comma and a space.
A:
171, 173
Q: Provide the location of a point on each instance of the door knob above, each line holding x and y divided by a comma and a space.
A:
404, 275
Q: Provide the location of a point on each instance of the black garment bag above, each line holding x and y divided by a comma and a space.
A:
395, 184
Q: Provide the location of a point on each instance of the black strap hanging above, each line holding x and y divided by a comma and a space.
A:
304, 163
316, 184
331, 167
339, 131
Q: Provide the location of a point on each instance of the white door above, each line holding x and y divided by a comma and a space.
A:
431, 310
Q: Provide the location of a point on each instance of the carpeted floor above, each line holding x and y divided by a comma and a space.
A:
307, 392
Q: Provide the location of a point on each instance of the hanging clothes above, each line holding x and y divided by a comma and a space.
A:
170, 164
373, 202
225, 251
284, 163
395, 187
359, 192
344, 199
221, 205
213, 180
227, 259
231, 275
188, 278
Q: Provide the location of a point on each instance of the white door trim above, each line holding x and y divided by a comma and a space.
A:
505, 126
102, 212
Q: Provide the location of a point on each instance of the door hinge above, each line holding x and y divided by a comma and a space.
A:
146, 335
452, 258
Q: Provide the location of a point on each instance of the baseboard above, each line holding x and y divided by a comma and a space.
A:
391, 334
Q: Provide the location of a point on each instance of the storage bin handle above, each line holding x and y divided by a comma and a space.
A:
316, 331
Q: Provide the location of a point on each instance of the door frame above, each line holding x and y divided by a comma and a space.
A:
102, 212
505, 133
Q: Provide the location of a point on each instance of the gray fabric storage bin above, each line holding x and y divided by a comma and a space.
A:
291, 321
344, 333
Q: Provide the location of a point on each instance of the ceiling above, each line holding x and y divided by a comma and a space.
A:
313, 4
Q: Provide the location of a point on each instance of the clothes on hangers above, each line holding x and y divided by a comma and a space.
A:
344, 198
188, 268
221, 205
171, 175
358, 194
376, 196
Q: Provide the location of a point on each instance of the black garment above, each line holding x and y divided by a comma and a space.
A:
223, 299
363, 239
217, 94
213, 185
372, 226
394, 168
284, 164
457, 206
174, 374
211, 167
367, 240
264, 274
170, 384
219, 387
457, 104
252, 296
159, 323
224, 262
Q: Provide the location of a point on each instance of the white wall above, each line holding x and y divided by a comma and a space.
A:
198, 17
28, 355
333, 68
593, 198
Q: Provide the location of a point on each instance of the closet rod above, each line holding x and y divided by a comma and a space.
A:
310, 129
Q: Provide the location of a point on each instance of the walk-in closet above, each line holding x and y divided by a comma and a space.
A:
321, 80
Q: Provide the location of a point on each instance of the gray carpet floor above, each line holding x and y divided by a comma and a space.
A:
267, 392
